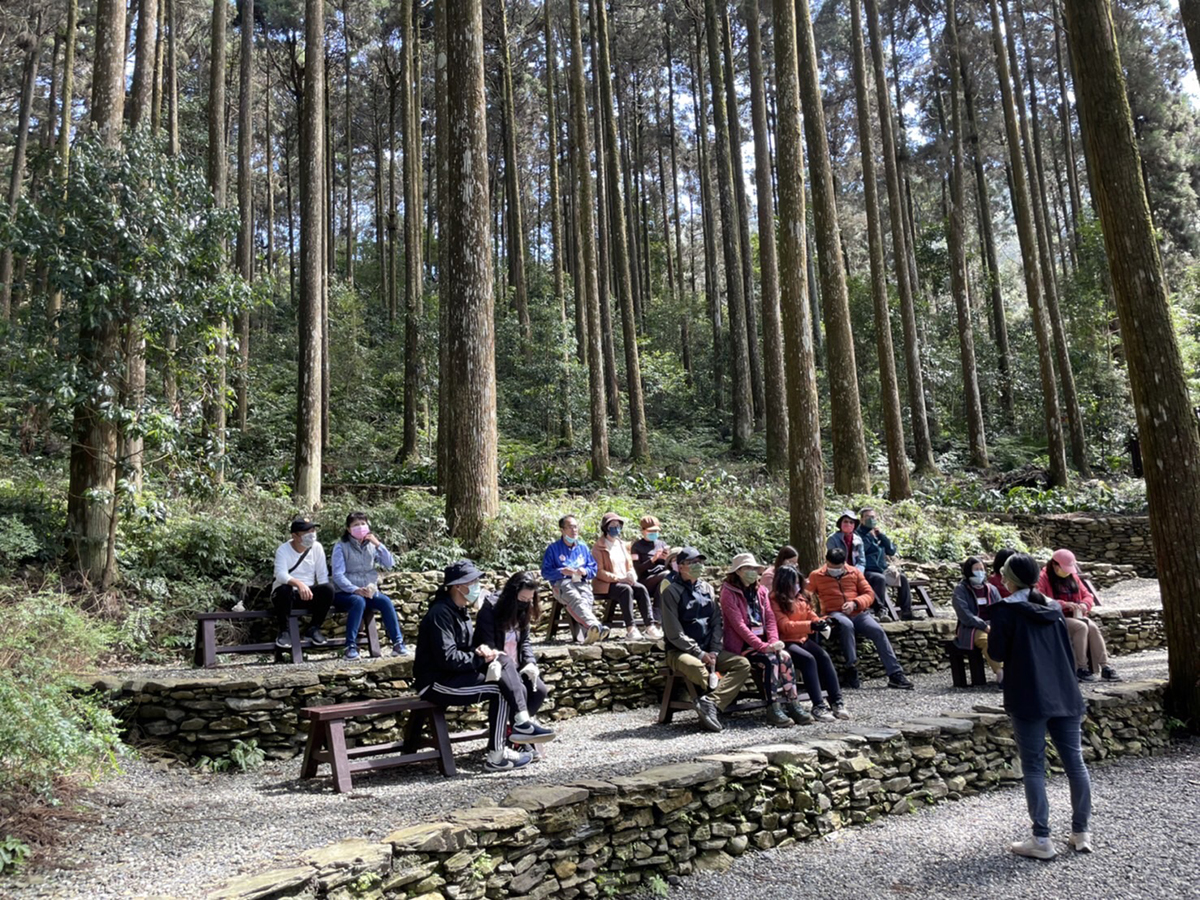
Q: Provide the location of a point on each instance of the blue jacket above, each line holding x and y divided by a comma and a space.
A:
1039, 665
858, 558
559, 556
876, 549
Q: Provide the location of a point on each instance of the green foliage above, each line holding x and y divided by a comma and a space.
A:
657, 885
13, 854
243, 756
51, 728
1120, 497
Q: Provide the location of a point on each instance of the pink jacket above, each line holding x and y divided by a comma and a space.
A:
1083, 596
739, 636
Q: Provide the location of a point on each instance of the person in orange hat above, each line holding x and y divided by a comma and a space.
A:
1060, 581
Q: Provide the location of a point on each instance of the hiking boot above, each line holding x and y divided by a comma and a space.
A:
1080, 841
1108, 673
284, 640
1084, 675
706, 710
799, 714
851, 679
317, 638
776, 717
531, 733
1034, 848
506, 760
839, 710
900, 681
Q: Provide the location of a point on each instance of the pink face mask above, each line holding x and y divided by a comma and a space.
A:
358, 532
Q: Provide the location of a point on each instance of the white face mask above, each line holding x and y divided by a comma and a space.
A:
308, 539
836, 573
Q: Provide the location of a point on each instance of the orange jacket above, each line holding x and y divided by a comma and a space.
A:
604, 566
796, 626
833, 592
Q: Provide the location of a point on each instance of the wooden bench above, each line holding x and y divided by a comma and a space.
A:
206, 649
670, 705
327, 739
959, 659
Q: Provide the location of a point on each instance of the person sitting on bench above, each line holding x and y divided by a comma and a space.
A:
1060, 581
974, 600
846, 598
451, 669
694, 638
799, 627
649, 554
301, 579
877, 547
616, 577
787, 556
570, 568
356, 560
504, 622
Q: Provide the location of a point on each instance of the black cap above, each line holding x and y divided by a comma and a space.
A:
461, 571
689, 555
303, 523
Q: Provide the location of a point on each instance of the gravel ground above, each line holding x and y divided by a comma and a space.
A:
1136, 593
1146, 829
159, 830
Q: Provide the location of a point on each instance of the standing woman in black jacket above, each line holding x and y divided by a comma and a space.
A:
1041, 694
504, 621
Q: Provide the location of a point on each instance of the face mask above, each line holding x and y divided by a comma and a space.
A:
696, 569
473, 594
358, 532
308, 539
569, 541
748, 576
869, 523
978, 577
652, 536
836, 573
614, 531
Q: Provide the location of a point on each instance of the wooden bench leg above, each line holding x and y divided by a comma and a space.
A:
923, 595
373, 637
441, 738
552, 624
666, 713
317, 741
608, 612
206, 643
338, 761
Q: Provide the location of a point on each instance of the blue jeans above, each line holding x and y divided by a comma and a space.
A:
1066, 733
868, 626
355, 605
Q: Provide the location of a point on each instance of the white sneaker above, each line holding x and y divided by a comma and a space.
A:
653, 633
1034, 847
506, 760
1081, 841
593, 635
632, 633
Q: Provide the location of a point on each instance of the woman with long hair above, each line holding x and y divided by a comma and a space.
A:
1041, 695
1060, 581
787, 556
799, 626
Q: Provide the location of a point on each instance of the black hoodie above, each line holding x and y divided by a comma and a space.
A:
444, 643
1039, 665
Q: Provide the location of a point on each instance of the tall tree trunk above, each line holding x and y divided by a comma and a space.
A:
412, 238
393, 82
218, 178
172, 79
269, 146
899, 487
620, 242
675, 173
604, 195
922, 445
442, 134
512, 184
472, 495
1029, 250
141, 98
92, 486
774, 387
349, 145
709, 221
312, 262
16, 179
245, 189
1064, 115
156, 92
806, 480
742, 404
1189, 11
743, 208
71, 38
1166, 422
851, 473
987, 234
956, 242
587, 245
565, 431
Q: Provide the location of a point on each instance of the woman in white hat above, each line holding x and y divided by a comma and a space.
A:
750, 631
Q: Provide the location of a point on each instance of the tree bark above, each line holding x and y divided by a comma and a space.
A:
851, 473
620, 242
1028, 242
1189, 11
442, 134
141, 98
742, 404
312, 263
412, 238
17, 175
1166, 421
587, 245
709, 221
774, 387
245, 189
218, 179
512, 183
922, 445
899, 487
349, 145
956, 242
172, 80
806, 487
604, 215
71, 38
1064, 114
565, 430
156, 92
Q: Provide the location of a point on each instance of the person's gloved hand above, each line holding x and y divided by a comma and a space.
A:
777, 646
530, 671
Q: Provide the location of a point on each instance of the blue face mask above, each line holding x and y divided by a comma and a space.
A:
569, 541
473, 592
978, 577
652, 536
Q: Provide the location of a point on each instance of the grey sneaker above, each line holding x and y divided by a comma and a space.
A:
710, 718
283, 641
1034, 848
506, 761
398, 649
839, 710
351, 653
823, 714
1081, 841
318, 639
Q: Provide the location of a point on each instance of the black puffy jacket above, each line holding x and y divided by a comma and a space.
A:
444, 643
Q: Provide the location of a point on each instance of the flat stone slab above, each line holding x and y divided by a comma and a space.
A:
491, 818
876, 734
946, 723
351, 854
676, 776
739, 764
786, 754
264, 884
827, 749
435, 837
918, 728
594, 787
537, 798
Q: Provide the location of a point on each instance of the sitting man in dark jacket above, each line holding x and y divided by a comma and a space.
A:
877, 547
694, 636
450, 670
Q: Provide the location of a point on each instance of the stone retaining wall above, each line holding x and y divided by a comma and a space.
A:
1113, 539
629, 833
203, 714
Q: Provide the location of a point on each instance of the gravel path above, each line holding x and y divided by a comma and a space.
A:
1136, 593
161, 830
1146, 827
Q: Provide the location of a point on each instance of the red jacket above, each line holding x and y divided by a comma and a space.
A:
796, 626
1082, 595
739, 634
833, 592
998, 583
